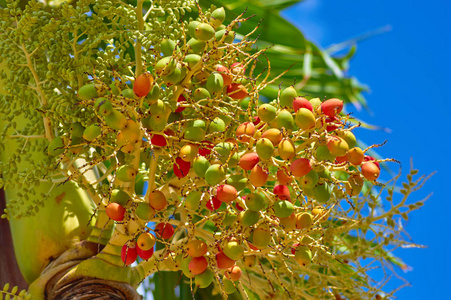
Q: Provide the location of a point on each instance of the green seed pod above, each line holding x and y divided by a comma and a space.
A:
154, 94
200, 94
230, 36
113, 89
226, 118
264, 148
315, 103
229, 219
249, 217
103, 106
116, 120
92, 132
224, 149
165, 66
77, 130
349, 137
233, 162
322, 153
303, 255
284, 119
283, 208
192, 201
119, 196
215, 82
128, 93
159, 107
305, 119
217, 125
267, 112
322, 192
204, 279
126, 173
192, 59
255, 202
204, 32
229, 288
214, 174
196, 134
185, 267
287, 97
261, 238
87, 92
167, 47
233, 250
237, 181
200, 166
192, 28
310, 180
56, 146
217, 17
249, 261
303, 220
196, 46
175, 76
157, 122
144, 211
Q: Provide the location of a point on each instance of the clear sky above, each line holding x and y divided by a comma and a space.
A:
407, 70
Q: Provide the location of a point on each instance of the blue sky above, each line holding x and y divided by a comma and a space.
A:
407, 71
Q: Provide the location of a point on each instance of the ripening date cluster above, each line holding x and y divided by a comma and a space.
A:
264, 175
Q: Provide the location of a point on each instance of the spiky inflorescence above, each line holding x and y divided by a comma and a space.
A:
120, 95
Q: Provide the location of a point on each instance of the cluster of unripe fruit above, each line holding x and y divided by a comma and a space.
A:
264, 181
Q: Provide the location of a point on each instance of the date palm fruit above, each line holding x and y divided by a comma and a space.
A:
215, 174
196, 134
237, 91
142, 84
198, 265
119, 196
213, 204
204, 32
309, 180
316, 102
285, 120
126, 173
233, 273
115, 211
200, 94
200, 166
331, 107
274, 135
192, 60
226, 193
87, 92
217, 125
283, 208
204, 279
167, 47
288, 223
337, 146
158, 122
305, 119
128, 93
287, 149
181, 167
283, 176
128, 253
322, 192
205, 148
116, 120
282, 192
267, 113
355, 156
144, 254
192, 200
157, 200
192, 28
303, 220
354, 185
303, 255
371, 159
103, 106
197, 46
248, 161
188, 152
249, 260
261, 238
145, 241
322, 153
154, 94
56, 146
196, 248
225, 73
370, 171
229, 287
229, 36
175, 76
76, 130
165, 66
255, 202
217, 17
233, 250
249, 217
301, 102
349, 137
245, 131
223, 261
180, 101
238, 181
92, 132
300, 167
287, 97
224, 149
264, 148
215, 82
258, 176
144, 211
185, 267
164, 230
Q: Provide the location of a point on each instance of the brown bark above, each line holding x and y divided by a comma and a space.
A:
9, 270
